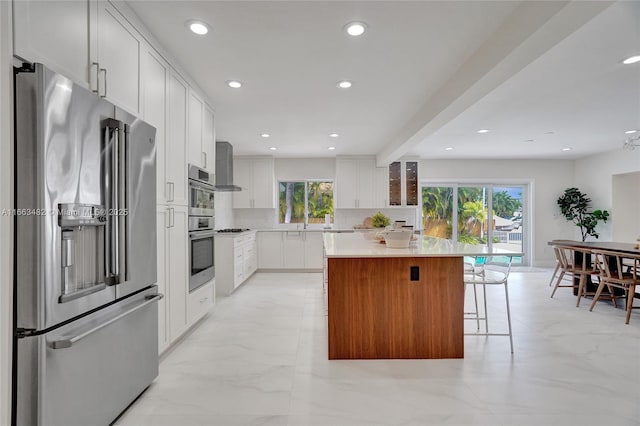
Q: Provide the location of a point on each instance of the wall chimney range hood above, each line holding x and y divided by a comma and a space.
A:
224, 168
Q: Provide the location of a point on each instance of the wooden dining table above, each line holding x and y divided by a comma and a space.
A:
597, 245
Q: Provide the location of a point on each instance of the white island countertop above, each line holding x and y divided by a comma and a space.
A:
358, 245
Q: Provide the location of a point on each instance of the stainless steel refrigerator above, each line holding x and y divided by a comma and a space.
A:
86, 312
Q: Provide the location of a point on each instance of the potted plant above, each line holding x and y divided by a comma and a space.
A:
575, 205
380, 221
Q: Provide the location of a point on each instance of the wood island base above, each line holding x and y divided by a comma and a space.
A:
379, 308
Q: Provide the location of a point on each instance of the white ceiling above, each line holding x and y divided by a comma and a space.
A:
426, 75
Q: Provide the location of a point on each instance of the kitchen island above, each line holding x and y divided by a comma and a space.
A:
386, 303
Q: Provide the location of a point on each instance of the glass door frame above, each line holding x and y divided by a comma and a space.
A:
527, 191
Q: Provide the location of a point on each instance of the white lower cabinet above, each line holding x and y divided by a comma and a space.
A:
290, 250
236, 260
313, 250
172, 273
200, 301
293, 249
270, 247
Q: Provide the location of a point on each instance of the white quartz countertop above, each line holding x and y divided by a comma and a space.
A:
358, 245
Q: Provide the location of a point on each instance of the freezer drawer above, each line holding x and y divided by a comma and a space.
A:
89, 371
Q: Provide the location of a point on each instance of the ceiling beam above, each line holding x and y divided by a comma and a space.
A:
530, 31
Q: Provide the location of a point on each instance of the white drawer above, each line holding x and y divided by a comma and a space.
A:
200, 301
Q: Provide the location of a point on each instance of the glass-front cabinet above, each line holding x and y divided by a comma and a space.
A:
403, 181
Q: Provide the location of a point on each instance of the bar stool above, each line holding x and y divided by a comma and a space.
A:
612, 265
471, 268
574, 261
493, 273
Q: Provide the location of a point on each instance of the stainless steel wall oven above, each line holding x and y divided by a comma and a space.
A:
201, 227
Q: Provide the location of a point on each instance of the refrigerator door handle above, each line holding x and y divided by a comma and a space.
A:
123, 205
68, 342
116, 201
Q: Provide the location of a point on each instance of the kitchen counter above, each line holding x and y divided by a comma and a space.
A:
234, 234
360, 245
386, 303
330, 230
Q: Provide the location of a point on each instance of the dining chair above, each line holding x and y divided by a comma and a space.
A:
575, 263
556, 251
494, 272
618, 270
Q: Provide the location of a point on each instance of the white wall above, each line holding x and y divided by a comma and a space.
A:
6, 230
594, 177
548, 178
626, 226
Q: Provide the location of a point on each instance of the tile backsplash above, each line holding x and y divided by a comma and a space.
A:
343, 218
255, 218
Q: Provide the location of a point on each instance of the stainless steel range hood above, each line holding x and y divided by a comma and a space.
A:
224, 167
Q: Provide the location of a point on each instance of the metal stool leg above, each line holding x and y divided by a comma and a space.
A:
486, 312
475, 300
506, 294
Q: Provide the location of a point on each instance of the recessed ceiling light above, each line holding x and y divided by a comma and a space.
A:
197, 27
449, 148
567, 149
549, 133
344, 84
265, 135
483, 131
529, 140
234, 84
273, 148
331, 148
631, 60
630, 132
333, 135
355, 28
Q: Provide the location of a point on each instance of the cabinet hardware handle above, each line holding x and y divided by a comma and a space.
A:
205, 159
172, 217
171, 191
104, 73
97, 65
167, 215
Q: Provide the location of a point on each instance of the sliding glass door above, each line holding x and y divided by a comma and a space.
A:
463, 211
507, 203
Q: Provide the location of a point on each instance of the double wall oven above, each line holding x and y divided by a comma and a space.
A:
201, 227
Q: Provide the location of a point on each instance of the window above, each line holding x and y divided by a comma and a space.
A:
306, 201
462, 211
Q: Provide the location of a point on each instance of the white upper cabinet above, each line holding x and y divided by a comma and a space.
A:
355, 183
87, 41
176, 164
380, 186
55, 33
209, 139
201, 134
155, 102
257, 179
118, 59
195, 130
263, 183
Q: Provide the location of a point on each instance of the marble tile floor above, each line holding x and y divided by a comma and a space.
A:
260, 358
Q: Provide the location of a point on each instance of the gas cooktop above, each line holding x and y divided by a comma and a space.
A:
235, 230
